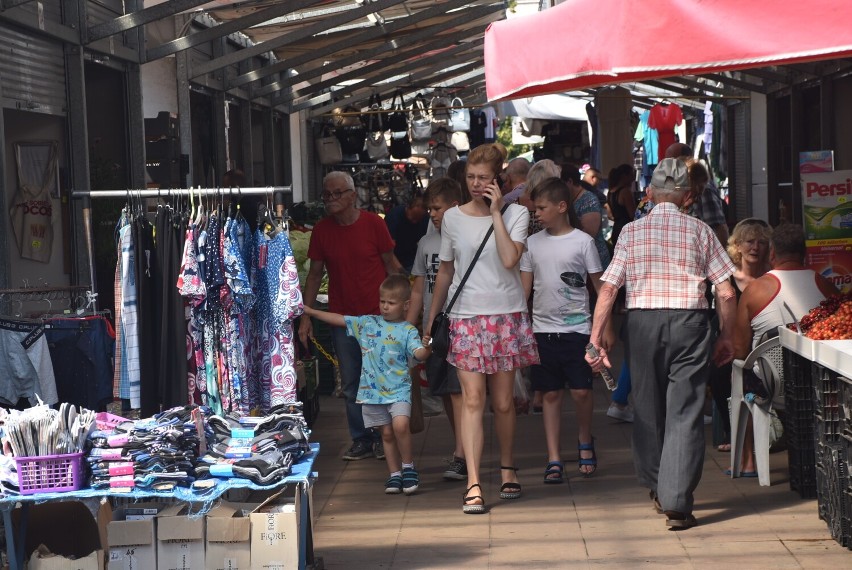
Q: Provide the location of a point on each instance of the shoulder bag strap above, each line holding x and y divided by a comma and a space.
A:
472, 263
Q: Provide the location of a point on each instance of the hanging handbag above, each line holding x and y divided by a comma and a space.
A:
352, 138
328, 148
400, 146
459, 116
439, 108
440, 331
460, 141
398, 119
421, 122
375, 118
377, 147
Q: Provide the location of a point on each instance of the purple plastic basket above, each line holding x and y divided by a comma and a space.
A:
50, 473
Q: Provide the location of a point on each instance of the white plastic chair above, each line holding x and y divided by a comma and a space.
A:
768, 358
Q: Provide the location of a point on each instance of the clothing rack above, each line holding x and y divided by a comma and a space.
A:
73, 295
276, 192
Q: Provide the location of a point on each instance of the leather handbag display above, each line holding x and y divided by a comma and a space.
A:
377, 147
439, 108
398, 119
328, 148
460, 141
459, 116
421, 121
400, 146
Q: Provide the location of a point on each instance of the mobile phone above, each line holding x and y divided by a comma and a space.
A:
486, 199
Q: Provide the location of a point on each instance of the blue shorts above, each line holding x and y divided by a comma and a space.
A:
562, 359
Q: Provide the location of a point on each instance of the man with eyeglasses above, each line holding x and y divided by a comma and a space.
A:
663, 261
356, 250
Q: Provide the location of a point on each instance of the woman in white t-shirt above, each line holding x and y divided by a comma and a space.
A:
491, 332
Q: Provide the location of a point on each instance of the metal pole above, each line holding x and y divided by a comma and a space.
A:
90, 250
148, 193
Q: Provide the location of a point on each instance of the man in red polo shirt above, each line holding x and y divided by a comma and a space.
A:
356, 249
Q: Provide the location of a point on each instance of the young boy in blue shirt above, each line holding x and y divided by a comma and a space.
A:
556, 265
387, 342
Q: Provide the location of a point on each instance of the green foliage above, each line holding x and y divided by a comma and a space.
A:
504, 137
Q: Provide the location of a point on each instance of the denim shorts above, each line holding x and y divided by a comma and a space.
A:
376, 415
562, 360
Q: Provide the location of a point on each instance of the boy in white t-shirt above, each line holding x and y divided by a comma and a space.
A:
556, 266
441, 195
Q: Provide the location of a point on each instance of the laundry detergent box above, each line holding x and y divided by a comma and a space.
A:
131, 537
228, 538
275, 533
180, 539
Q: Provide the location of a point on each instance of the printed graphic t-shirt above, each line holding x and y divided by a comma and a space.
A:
385, 350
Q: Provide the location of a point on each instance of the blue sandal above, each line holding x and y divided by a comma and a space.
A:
553, 473
587, 462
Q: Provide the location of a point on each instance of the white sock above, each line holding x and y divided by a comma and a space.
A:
396, 474
408, 465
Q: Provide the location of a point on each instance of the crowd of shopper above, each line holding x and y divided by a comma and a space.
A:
521, 250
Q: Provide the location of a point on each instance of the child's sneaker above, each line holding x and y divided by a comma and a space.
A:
393, 486
410, 480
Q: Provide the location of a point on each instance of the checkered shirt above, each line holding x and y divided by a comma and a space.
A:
664, 258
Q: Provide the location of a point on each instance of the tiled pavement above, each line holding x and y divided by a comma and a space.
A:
604, 521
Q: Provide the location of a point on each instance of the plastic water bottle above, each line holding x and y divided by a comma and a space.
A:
605, 373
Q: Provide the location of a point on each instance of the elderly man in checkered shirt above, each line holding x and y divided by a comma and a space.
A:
663, 261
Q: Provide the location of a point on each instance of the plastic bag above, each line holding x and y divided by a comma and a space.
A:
521, 394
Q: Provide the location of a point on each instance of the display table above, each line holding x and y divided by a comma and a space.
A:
835, 355
301, 476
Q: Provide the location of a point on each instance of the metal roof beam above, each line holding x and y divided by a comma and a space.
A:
413, 39
378, 32
426, 74
301, 33
226, 28
420, 67
697, 85
141, 17
6, 4
385, 63
745, 85
784, 78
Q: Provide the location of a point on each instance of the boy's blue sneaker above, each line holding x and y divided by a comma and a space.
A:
410, 480
393, 486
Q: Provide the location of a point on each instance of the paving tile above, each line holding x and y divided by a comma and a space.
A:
606, 521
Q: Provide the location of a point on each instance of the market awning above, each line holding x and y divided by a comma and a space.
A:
557, 51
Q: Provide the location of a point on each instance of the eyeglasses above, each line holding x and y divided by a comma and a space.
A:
332, 196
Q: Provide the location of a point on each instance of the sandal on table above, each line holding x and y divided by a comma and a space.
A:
553, 473
510, 490
587, 461
470, 508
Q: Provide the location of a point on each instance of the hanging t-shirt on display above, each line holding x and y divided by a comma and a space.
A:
664, 118
32, 207
490, 124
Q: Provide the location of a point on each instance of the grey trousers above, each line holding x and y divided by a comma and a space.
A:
668, 352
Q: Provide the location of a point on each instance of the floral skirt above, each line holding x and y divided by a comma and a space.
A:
492, 343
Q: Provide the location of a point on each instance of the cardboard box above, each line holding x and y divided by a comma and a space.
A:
61, 536
275, 534
228, 539
180, 540
130, 537
44, 559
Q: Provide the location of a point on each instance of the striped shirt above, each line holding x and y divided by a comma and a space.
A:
664, 258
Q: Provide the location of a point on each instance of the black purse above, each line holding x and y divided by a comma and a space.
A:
436, 364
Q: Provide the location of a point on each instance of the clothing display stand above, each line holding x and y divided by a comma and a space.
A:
302, 478
276, 194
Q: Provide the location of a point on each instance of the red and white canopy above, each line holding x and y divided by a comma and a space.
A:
588, 43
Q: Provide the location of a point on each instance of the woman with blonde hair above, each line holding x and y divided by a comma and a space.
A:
490, 328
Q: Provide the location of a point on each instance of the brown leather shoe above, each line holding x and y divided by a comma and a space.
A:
657, 506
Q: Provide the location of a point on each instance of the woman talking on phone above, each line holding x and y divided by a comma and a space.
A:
490, 329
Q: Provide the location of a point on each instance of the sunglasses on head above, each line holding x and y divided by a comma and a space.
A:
753, 222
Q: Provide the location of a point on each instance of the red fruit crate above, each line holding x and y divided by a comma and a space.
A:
50, 473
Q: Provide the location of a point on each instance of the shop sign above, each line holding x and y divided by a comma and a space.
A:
827, 214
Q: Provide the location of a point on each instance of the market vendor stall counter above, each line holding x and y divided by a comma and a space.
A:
300, 480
